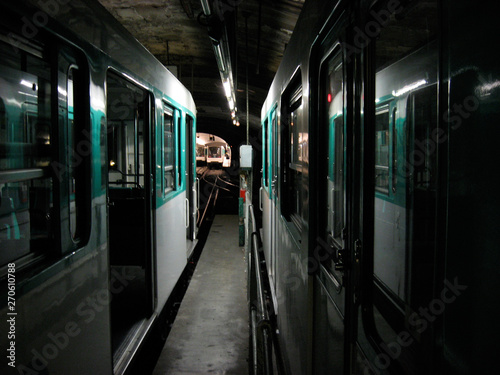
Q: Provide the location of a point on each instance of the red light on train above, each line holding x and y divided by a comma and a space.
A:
329, 98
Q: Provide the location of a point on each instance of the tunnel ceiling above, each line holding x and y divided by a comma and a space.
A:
175, 31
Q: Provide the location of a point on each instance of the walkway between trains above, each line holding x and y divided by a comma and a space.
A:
210, 332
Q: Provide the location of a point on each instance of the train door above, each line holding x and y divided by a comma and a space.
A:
421, 190
130, 209
274, 156
330, 244
191, 185
401, 300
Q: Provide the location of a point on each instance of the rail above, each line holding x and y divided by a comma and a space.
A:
263, 339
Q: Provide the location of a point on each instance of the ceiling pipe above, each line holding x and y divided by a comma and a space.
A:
257, 65
206, 7
217, 25
246, 73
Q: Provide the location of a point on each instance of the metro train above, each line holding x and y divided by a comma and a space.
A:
97, 181
379, 193
218, 154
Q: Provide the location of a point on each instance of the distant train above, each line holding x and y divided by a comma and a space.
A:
218, 154
214, 154
97, 181
379, 192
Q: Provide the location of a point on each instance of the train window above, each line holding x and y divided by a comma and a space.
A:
405, 116
26, 182
79, 149
179, 125
125, 133
331, 168
296, 141
180, 149
382, 150
335, 115
169, 169
394, 170
294, 154
104, 165
214, 151
273, 150
73, 163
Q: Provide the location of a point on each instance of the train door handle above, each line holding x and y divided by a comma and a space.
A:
197, 193
260, 198
338, 254
333, 199
195, 198
187, 213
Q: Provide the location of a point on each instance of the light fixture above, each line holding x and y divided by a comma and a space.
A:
408, 88
220, 43
227, 88
206, 7
219, 57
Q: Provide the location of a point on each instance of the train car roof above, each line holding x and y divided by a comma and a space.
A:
91, 22
216, 143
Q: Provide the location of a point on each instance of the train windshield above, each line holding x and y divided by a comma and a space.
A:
214, 152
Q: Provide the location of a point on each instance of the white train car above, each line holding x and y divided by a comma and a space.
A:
97, 182
218, 154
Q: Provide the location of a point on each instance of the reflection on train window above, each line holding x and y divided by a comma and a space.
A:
125, 133
382, 150
26, 186
214, 152
168, 150
335, 117
73, 162
293, 156
405, 183
394, 150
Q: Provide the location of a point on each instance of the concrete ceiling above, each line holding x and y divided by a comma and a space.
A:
175, 31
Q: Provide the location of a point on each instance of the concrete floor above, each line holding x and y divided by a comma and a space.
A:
210, 332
